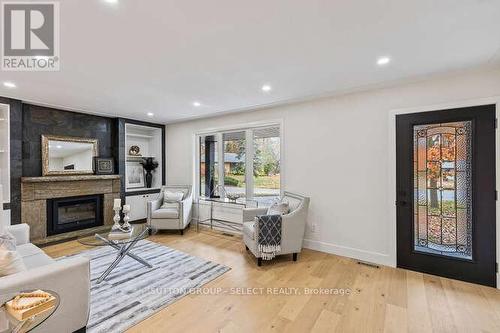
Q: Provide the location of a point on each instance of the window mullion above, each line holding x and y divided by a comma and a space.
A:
249, 152
220, 159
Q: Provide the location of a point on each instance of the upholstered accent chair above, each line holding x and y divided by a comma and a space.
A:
175, 217
292, 228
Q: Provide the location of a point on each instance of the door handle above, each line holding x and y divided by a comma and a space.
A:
401, 203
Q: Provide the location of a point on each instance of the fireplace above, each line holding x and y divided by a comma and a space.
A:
74, 213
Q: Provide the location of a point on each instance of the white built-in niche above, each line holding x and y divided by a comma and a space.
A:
149, 141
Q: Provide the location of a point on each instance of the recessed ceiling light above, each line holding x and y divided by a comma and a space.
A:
9, 84
111, 1
266, 88
150, 114
196, 104
383, 61
58, 146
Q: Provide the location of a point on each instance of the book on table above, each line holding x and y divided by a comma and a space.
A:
120, 234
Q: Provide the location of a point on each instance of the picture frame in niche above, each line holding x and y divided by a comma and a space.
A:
134, 177
104, 166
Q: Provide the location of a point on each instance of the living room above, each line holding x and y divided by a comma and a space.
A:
320, 166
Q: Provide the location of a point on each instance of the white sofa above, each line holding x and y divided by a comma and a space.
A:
293, 226
171, 218
69, 278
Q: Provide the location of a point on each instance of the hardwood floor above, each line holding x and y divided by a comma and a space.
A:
381, 299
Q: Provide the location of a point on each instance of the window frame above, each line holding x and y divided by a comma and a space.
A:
249, 153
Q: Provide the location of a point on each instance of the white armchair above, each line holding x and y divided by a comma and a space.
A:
292, 228
69, 278
172, 218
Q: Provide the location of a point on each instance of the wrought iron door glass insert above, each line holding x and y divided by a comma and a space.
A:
442, 167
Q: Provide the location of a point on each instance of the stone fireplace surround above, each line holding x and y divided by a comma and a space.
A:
35, 191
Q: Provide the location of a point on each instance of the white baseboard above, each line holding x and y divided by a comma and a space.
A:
373, 257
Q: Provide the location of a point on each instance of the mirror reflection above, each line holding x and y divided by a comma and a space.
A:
70, 156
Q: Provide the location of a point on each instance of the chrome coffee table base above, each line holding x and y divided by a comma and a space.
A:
123, 251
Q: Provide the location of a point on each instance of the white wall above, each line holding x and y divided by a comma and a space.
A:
4, 162
336, 151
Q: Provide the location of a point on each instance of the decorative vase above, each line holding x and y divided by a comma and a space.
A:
149, 165
149, 179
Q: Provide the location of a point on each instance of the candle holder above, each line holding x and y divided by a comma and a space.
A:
126, 210
116, 218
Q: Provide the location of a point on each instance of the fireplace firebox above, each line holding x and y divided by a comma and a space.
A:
74, 213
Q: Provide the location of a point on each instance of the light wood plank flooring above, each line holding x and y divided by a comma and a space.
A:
384, 299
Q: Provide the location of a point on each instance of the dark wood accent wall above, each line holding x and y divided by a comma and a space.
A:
28, 122
38, 120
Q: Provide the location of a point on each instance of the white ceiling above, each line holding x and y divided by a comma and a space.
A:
160, 56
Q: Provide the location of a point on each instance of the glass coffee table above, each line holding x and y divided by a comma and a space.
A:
123, 243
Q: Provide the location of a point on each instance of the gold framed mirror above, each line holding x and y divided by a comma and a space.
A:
66, 155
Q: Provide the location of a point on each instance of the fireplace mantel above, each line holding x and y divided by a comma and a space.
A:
67, 178
35, 191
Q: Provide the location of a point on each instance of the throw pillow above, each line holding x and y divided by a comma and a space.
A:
171, 199
10, 260
279, 208
7, 241
173, 196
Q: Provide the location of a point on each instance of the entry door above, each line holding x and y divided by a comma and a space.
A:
446, 193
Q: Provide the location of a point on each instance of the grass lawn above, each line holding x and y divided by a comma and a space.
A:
271, 182
448, 208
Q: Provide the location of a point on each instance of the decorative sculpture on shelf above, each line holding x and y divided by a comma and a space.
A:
219, 191
134, 151
234, 196
149, 165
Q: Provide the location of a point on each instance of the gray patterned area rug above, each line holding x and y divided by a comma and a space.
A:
133, 292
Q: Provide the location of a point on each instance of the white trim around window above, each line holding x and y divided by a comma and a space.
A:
248, 128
